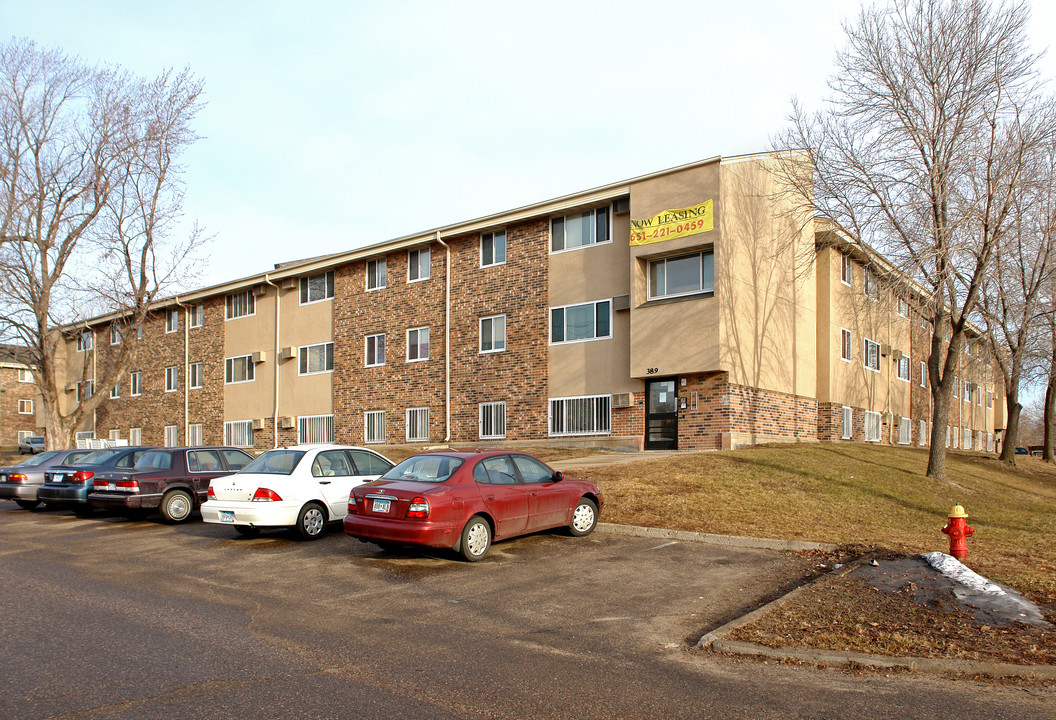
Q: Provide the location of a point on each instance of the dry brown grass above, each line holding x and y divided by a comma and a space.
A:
858, 494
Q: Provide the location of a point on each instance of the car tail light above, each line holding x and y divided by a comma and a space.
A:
353, 508
17, 478
123, 485
82, 476
266, 495
210, 492
419, 508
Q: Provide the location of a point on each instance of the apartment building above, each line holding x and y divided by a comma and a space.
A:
687, 308
20, 410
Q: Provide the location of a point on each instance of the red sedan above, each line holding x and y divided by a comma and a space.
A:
464, 500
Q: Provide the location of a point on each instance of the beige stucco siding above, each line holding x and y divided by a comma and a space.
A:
245, 336
301, 326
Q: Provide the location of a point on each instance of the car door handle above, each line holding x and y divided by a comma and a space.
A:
324, 482
489, 498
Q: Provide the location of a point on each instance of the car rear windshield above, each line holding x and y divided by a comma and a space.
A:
42, 458
155, 460
275, 462
425, 468
98, 457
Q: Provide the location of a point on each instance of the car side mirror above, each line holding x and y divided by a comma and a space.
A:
558, 477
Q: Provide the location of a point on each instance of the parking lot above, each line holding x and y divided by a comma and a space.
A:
104, 617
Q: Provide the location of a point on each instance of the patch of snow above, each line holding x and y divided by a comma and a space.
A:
952, 568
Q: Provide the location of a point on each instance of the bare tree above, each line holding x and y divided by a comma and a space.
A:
920, 153
91, 191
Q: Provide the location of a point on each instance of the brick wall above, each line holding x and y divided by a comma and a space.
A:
11, 421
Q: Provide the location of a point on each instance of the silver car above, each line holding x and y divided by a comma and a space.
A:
32, 445
21, 482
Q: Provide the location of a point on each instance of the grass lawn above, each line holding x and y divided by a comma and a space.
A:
851, 494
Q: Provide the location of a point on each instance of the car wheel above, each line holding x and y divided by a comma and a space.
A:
311, 522
176, 506
476, 539
584, 518
27, 504
247, 530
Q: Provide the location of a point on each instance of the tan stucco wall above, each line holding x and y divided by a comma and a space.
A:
302, 325
244, 336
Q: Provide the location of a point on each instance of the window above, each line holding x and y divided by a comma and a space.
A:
872, 426
25, 407
418, 265
923, 435
845, 269
374, 426
315, 429
194, 374
903, 368
375, 274
115, 335
135, 436
316, 288
589, 321
967, 438
683, 275
989, 442
979, 395
171, 379
135, 384
238, 369
847, 431
115, 392
989, 399
492, 420
872, 288
375, 350
956, 438
81, 435
580, 230
588, 415
25, 375
845, 344
923, 374
492, 248
115, 434
240, 304
417, 344
903, 431
316, 358
967, 391
871, 355
333, 463
172, 320
417, 424
493, 334
85, 390
85, 341
902, 306
194, 435
171, 437
967, 347
196, 316
238, 433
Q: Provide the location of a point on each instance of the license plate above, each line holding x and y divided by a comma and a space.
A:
57, 478
227, 516
381, 506
111, 486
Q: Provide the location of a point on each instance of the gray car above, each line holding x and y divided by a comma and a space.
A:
22, 482
32, 445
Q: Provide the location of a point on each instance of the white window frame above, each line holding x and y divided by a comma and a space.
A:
196, 316
923, 374
115, 392
304, 358
25, 406
846, 269
23, 434
135, 436
873, 426
966, 439
85, 340
579, 415
229, 367
902, 306
904, 431
491, 420
172, 378
847, 422
979, 395
417, 420
81, 435
417, 270
989, 399
172, 437
417, 344
967, 392
565, 308
305, 289
315, 429
922, 439
989, 442
135, 384
240, 304
874, 362
496, 344
846, 348
85, 390
238, 433
493, 236
194, 375
366, 350
195, 434
956, 437
704, 288
376, 280
115, 335
374, 427
115, 434
172, 320
871, 287
903, 369
593, 212
25, 375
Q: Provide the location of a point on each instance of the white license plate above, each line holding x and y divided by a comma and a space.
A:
381, 506
227, 516
57, 478
111, 486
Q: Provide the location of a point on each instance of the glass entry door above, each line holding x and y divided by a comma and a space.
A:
661, 415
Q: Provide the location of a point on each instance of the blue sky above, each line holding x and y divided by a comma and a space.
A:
333, 125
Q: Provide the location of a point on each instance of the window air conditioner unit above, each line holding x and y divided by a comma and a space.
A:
258, 423
260, 356
288, 353
286, 422
896, 355
898, 419
289, 283
72, 387
622, 400
885, 350
259, 290
621, 302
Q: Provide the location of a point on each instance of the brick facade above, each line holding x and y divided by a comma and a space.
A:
13, 396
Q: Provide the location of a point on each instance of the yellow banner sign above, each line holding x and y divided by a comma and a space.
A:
671, 224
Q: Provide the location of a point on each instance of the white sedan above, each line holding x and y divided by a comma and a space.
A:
303, 487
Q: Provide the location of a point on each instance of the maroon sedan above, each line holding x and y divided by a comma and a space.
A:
464, 500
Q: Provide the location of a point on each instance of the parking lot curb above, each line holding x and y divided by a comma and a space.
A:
710, 538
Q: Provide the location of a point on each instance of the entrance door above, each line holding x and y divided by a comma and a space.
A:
661, 415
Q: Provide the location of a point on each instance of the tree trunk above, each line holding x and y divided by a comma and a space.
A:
939, 418
1050, 411
1008, 449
